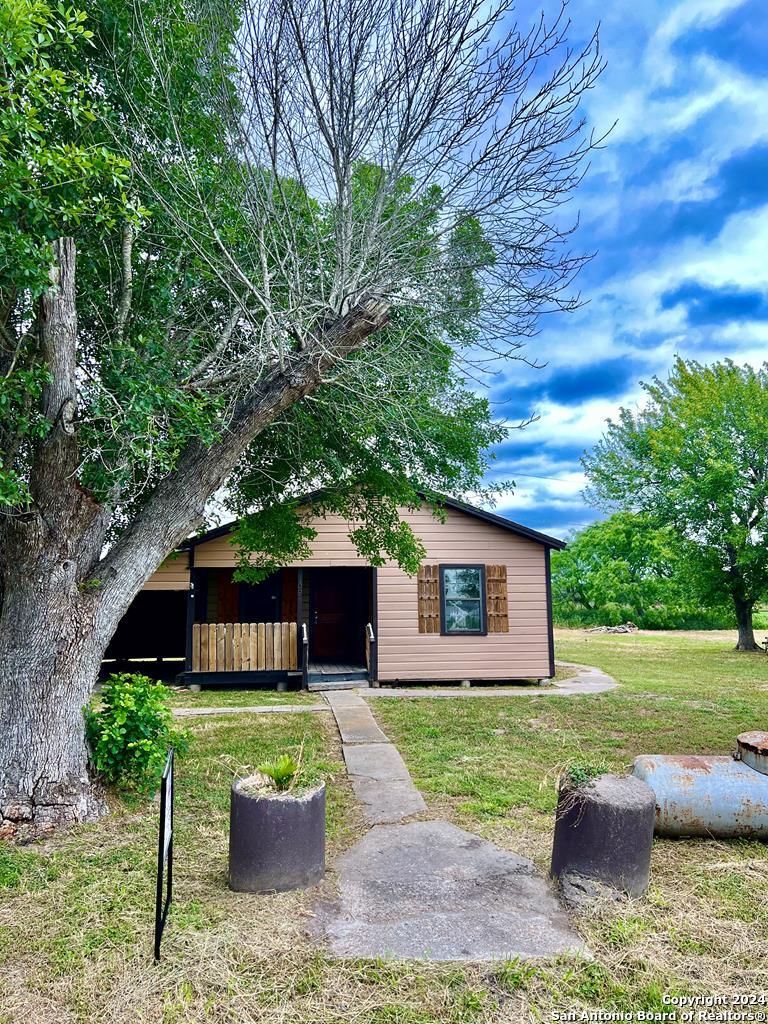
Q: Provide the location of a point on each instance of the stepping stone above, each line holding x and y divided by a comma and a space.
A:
430, 890
381, 782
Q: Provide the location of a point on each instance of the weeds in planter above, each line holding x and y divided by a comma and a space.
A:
283, 771
582, 771
575, 775
287, 773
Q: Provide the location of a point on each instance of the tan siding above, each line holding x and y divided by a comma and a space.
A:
332, 546
404, 653
173, 574
523, 652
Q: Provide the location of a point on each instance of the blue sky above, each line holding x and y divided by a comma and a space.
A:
676, 205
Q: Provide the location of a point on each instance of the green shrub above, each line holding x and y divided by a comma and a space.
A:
129, 734
582, 770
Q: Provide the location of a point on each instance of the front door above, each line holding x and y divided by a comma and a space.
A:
336, 604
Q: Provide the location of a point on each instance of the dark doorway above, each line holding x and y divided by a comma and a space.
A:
260, 602
151, 635
339, 609
220, 598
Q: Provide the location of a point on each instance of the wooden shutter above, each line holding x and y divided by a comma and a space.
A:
497, 605
429, 598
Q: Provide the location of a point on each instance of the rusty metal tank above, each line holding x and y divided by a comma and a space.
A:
711, 795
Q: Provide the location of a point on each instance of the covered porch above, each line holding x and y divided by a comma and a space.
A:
313, 627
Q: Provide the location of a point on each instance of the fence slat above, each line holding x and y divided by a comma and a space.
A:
211, 664
203, 627
269, 651
254, 655
277, 641
236, 657
196, 647
261, 646
230, 666
220, 647
293, 632
245, 646
285, 653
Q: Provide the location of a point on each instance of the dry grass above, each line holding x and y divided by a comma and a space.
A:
76, 913
489, 765
76, 916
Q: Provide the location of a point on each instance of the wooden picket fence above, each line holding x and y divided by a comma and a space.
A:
244, 646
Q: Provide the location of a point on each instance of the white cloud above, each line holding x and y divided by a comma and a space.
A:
681, 19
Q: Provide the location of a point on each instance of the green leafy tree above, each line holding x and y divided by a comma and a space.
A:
627, 567
695, 458
248, 249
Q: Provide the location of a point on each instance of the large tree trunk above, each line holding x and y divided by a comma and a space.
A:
50, 649
746, 641
49, 659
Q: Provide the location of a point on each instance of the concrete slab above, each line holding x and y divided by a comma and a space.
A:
357, 724
379, 761
430, 890
381, 783
387, 802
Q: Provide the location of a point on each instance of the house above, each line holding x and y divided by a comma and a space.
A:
479, 609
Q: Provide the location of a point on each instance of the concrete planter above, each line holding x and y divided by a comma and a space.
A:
604, 833
276, 840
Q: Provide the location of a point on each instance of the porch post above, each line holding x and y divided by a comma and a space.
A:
374, 669
190, 612
300, 623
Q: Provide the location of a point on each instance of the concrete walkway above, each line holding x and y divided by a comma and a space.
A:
427, 889
255, 709
378, 774
586, 680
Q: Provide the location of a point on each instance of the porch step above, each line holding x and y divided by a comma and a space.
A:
333, 676
336, 681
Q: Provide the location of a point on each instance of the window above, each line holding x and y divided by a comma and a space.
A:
462, 599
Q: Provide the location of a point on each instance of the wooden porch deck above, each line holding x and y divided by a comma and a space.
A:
333, 668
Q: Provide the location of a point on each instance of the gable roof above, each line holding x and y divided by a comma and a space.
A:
459, 506
506, 524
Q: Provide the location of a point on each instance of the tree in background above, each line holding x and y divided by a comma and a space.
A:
628, 568
245, 247
695, 458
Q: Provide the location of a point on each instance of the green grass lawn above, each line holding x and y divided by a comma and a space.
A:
76, 912
76, 915
214, 698
492, 766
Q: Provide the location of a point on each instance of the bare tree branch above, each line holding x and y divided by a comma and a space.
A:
126, 290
